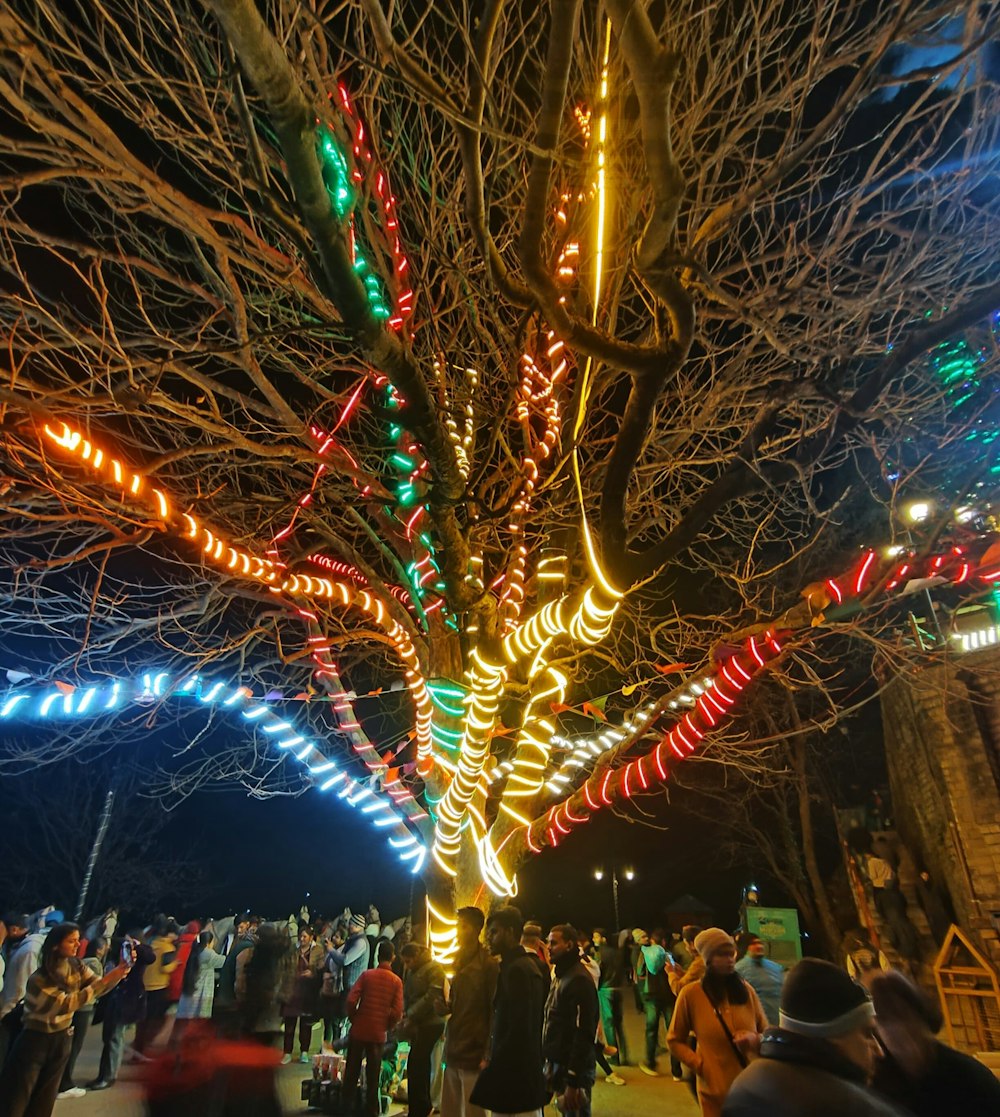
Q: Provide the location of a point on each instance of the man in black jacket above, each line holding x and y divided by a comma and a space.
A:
570, 1025
512, 1080
819, 1062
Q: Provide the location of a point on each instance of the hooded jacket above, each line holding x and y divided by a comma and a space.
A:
799, 1076
570, 1025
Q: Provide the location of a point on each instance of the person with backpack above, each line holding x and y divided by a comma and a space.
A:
651, 975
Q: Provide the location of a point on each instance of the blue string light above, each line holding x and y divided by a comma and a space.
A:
62, 702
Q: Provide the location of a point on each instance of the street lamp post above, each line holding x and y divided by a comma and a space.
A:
628, 873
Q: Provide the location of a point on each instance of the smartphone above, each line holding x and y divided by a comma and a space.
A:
126, 952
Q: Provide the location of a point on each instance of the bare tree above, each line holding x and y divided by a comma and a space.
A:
513, 350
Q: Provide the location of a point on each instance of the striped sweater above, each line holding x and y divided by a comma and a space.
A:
50, 1002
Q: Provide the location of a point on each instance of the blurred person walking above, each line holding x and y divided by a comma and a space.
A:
919, 1072
725, 1016
819, 1060
58, 989
261, 976
157, 981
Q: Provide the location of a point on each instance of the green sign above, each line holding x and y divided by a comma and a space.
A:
779, 928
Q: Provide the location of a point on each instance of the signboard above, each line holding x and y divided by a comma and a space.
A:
779, 928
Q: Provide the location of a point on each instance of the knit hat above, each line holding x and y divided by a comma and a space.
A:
820, 1000
358, 924
638, 935
710, 940
52, 918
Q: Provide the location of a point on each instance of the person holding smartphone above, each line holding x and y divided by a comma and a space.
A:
59, 988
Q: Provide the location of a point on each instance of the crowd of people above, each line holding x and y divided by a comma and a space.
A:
518, 1018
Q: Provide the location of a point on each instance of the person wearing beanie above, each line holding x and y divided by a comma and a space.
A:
725, 1016
917, 1071
819, 1060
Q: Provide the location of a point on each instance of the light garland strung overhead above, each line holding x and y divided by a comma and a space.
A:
392, 809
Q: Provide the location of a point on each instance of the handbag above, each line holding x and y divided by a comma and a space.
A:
329, 987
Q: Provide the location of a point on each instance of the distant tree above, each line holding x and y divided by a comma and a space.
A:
405, 299
53, 821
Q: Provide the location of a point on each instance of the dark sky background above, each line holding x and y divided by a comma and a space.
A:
268, 854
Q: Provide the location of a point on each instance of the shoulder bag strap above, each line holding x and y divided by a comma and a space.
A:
725, 1027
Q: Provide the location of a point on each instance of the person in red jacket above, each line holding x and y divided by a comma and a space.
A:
185, 943
374, 1006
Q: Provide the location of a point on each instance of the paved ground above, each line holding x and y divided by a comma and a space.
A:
641, 1094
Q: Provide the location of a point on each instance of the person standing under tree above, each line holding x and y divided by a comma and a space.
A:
423, 990
512, 1082
725, 1016
58, 989
470, 1016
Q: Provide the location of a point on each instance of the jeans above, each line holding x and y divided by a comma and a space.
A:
418, 1070
305, 1033
81, 1025
113, 1035
372, 1055
610, 1001
32, 1073
656, 1009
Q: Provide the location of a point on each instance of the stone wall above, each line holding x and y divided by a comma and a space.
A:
942, 739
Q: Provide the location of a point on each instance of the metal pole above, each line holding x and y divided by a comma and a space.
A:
95, 849
614, 888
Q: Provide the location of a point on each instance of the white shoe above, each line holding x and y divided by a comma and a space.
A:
651, 1071
285, 1060
614, 1079
304, 1057
72, 1092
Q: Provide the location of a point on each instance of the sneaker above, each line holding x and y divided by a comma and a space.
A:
651, 1071
72, 1092
678, 1077
285, 1060
305, 1057
614, 1079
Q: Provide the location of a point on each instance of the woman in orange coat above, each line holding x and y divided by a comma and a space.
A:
723, 1013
